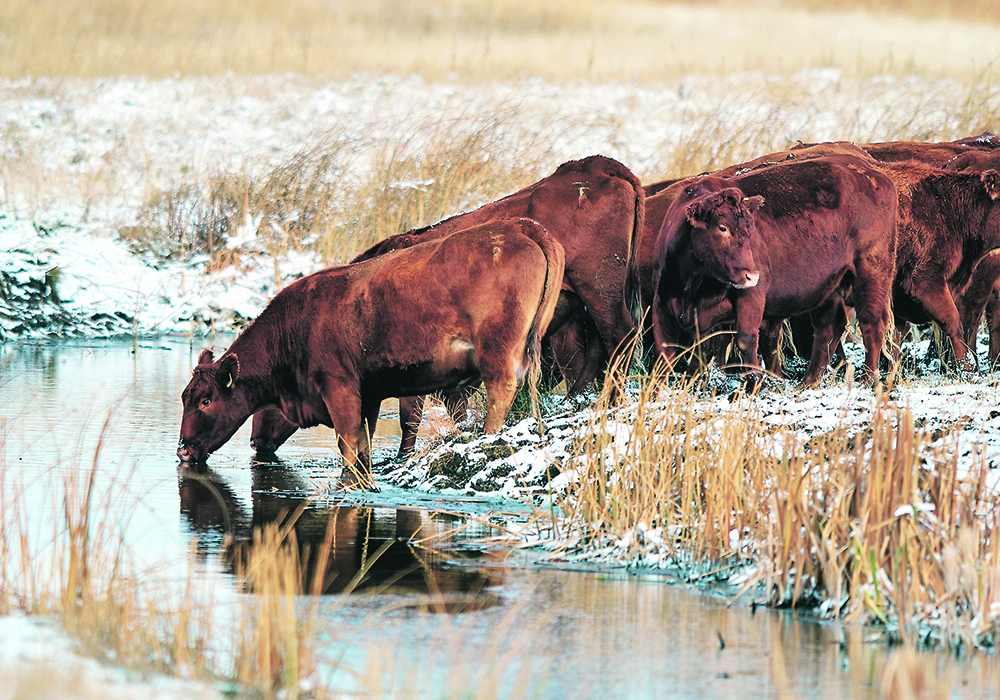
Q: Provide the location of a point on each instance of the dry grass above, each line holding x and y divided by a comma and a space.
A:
493, 39
315, 203
875, 525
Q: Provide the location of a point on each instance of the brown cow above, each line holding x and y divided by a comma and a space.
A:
331, 346
800, 152
827, 225
947, 223
592, 207
641, 257
938, 154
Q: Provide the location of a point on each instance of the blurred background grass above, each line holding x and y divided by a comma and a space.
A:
495, 39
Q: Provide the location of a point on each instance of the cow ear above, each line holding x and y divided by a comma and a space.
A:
206, 357
991, 179
697, 215
753, 203
229, 370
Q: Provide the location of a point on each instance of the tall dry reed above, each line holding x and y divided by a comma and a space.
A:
874, 525
490, 39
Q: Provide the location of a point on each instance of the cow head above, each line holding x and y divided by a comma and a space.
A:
270, 430
991, 180
723, 227
215, 406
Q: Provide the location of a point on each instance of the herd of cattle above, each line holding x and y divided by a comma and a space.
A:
900, 232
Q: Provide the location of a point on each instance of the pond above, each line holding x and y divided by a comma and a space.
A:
435, 613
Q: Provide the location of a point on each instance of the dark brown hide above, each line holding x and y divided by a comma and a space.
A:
938, 154
331, 346
592, 207
638, 285
947, 223
827, 226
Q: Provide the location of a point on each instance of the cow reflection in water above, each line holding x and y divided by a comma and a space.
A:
367, 553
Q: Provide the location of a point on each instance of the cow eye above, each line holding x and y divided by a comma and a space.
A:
205, 403
723, 228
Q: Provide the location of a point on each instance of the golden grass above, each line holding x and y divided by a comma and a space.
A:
874, 524
493, 39
314, 202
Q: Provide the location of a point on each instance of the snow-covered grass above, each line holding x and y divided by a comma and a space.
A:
876, 506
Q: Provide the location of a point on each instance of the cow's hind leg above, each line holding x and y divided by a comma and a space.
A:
829, 321
872, 291
411, 410
499, 370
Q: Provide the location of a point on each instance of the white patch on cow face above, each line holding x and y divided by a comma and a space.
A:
752, 279
461, 345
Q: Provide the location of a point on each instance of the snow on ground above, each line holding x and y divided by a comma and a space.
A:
79, 158
39, 660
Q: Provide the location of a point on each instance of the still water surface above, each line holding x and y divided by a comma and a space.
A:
436, 615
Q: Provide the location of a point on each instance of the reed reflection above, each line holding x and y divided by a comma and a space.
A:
341, 549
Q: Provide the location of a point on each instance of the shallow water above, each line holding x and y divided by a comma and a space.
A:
433, 614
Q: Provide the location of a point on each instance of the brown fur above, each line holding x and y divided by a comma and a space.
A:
827, 225
947, 223
592, 207
331, 346
639, 293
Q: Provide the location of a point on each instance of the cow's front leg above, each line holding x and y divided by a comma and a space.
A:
829, 321
936, 299
668, 338
749, 317
344, 407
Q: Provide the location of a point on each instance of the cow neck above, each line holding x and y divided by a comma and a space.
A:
958, 194
258, 348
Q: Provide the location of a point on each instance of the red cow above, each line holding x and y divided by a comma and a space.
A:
947, 223
592, 207
938, 154
331, 346
827, 225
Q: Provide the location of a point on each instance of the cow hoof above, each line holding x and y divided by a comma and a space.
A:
266, 457
352, 480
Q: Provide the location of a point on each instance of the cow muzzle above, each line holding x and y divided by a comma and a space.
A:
746, 280
190, 453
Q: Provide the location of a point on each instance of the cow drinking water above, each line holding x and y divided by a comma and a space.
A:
331, 346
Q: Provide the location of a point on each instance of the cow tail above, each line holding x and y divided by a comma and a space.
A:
633, 291
555, 263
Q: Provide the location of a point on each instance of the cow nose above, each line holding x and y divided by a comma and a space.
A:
750, 279
186, 453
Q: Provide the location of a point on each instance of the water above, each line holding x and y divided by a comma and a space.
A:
433, 614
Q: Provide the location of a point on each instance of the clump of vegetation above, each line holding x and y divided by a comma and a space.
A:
874, 526
315, 203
